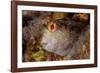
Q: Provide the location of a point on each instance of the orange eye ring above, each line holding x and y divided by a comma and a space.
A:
52, 27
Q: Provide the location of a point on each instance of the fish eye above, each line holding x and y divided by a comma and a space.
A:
52, 26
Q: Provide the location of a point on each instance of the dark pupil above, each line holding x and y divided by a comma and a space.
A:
52, 27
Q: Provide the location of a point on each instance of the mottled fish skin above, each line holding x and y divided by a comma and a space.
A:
56, 42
